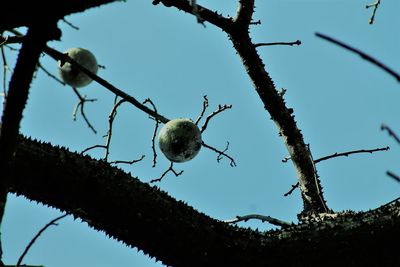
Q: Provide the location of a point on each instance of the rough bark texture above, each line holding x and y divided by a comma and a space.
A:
142, 216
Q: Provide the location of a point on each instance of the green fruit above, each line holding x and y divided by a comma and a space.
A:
73, 77
180, 140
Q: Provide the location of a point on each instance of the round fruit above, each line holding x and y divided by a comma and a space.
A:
73, 77
180, 140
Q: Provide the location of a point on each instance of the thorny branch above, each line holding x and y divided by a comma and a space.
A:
52, 222
81, 106
335, 155
361, 54
348, 153
262, 218
375, 6
170, 169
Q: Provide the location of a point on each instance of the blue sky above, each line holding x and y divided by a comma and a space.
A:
151, 51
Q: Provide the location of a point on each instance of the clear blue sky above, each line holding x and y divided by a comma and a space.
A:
152, 51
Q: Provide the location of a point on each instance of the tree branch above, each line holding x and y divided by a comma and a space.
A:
361, 54
147, 218
17, 97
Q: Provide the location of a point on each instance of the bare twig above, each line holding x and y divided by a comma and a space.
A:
205, 106
297, 42
70, 24
52, 222
127, 161
263, 218
361, 54
50, 74
80, 106
394, 176
111, 118
170, 169
346, 154
375, 6
292, 189
92, 147
286, 159
219, 110
221, 153
153, 138
391, 132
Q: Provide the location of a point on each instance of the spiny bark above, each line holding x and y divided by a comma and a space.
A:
145, 217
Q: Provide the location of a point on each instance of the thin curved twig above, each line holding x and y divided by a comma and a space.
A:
361, 54
52, 222
384, 127
263, 218
375, 6
153, 138
170, 169
221, 153
348, 153
81, 106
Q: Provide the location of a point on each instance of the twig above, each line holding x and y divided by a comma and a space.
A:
153, 138
205, 106
263, 218
375, 6
286, 159
292, 189
50, 74
170, 169
391, 132
111, 118
52, 222
346, 154
221, 153
70, 24
127, 161
394, 176
92, 147
297, 42
361, 54
219, 110
80, 106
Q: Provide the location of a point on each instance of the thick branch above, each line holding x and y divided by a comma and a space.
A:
17, 97
143, 216
17, 13
283, 118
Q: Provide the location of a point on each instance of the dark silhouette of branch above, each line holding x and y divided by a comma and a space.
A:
128, 161
80, 106
143, 216
111, 118
52, 222
70, 24
209, 117
294, 186
361, 54
153, 138
384, 127
262, 218
375, 6
297, 42
17, 97
221, 153
51, 75
170, 169
348, 153
393, 176
205, 106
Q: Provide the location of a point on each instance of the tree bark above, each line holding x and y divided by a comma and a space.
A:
149, 219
